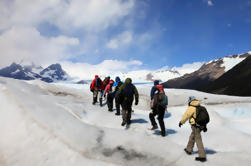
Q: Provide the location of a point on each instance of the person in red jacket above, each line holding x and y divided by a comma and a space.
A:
97, 87
110, 96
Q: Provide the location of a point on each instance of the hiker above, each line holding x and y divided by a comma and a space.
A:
97, 87
126, 94
105, 82
157, 107
110, 96
195, 136
116, 85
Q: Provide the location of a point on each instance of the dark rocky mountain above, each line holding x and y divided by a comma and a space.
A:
50, 74
236, 81
205, 75
18, 72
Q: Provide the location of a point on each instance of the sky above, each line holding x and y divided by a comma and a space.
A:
122, 34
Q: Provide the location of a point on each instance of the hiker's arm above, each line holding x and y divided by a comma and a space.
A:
152, 92
188, 114
136, 93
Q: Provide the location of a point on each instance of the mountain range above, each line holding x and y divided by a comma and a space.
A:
216, 76
50, 74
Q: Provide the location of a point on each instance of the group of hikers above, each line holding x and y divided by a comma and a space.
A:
124, 94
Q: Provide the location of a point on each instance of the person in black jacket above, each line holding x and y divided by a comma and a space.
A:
126, 94
157, 108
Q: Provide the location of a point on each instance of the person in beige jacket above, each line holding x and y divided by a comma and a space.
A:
195, 136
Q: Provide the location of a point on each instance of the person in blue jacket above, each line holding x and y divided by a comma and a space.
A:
116, 86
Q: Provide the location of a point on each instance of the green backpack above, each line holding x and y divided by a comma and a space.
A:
163, 100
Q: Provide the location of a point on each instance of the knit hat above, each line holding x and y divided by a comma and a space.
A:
191, 98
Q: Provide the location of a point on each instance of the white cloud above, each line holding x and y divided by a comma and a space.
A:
83, 19
210, 3
65, 14
26, 43
122, 39
107, 67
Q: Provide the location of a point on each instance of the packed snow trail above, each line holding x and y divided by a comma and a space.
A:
47, 124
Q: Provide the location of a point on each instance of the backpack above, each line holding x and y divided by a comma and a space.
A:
106, 81
128, 91
163, 100
98, 82
202, 116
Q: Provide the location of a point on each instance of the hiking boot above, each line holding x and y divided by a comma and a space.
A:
154, 127
187, 152
117, 113
201, 159
123, 123
93, 103
129, 122
110, 110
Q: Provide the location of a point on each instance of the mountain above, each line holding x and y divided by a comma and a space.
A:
236, 81
53, 73
30, 72
19, 72
162, 74
206, 74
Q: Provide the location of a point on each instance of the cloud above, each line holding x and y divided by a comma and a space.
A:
210, 3
122, 39
105, 68
80, 25
67, 15
26, 43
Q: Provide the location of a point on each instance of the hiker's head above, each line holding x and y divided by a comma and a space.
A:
156, 82
111, 82
128, 81
191, 98
117, 79
96, 76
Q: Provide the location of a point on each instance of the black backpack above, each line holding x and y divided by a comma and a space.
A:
98, 82
128, 91
202, 116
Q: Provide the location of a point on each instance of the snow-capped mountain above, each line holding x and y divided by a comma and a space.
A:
30, 72
19, 72
162, 74
236, 81
53, 73
207, 73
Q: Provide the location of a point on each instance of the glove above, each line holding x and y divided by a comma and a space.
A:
136, 102
104, 95
205, 129
92, 90
180, 124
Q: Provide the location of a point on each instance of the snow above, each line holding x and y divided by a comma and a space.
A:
163, 74
15, 72
229, 62
46, 124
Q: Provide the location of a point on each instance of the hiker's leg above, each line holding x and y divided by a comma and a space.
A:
161, 121
151, 117
199, 143
191, 141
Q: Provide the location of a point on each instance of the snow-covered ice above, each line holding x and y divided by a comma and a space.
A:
56, 124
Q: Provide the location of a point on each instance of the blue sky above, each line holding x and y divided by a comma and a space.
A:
136, 34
